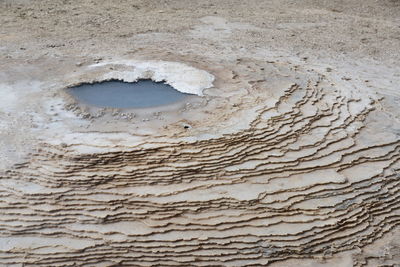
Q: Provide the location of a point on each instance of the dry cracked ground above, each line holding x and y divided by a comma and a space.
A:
290, 158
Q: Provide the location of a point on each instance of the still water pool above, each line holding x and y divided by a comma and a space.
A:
118, 94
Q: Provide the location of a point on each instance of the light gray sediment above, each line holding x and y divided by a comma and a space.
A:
288, 156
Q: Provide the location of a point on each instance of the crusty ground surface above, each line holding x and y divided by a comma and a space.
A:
291, 159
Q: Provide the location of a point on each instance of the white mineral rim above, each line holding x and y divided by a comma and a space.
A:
184, 78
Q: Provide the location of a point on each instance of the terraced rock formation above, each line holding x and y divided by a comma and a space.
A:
287, 154
313, 173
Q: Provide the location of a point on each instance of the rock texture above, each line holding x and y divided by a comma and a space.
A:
285, 161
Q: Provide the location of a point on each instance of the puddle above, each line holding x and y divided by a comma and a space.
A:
118, 94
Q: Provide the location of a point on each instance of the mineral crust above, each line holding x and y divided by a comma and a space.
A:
288, 156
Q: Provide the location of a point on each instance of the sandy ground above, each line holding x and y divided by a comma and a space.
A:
263, 54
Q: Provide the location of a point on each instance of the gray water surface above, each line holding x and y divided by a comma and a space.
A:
118, 94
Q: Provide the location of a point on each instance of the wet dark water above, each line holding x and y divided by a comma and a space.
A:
117, 94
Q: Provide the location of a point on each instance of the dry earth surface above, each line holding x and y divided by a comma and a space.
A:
291, 157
